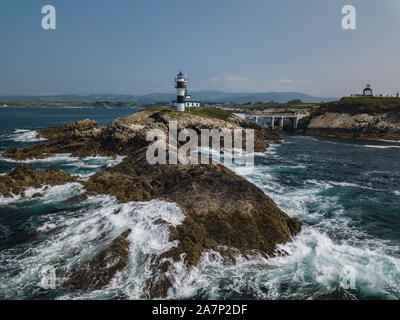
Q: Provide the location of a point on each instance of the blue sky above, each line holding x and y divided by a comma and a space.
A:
137, 47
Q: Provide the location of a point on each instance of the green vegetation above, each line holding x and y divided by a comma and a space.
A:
357, 105
208, 112
259, 106
205, 112
171, 113
295, 101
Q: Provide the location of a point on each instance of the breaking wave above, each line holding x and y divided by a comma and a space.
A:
46, 194
311, 270
83, 168
23, 135
381, 147
78, 233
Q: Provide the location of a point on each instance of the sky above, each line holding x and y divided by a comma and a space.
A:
138, 47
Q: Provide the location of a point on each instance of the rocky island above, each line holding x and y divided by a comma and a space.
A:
355, 117
223, 211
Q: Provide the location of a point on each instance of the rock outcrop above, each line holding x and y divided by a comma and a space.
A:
25, 176
83, 128
102, 268
125, 135
64, 139
221, 209
359, 117
366, 126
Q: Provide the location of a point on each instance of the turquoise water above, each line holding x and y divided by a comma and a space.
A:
346, 192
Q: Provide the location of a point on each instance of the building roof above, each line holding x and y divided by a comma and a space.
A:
189, 100
192, 100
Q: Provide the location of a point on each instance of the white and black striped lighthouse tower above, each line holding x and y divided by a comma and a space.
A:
180, 85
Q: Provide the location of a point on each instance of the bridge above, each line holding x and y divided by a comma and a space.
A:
276, 120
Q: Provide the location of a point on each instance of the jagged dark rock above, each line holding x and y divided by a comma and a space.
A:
82, 128
64, 139
25, 176
101, 269
125, 135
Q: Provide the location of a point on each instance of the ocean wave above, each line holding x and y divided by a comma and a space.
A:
330, 184
273, 150
75, 241
381, 147
311, 269
329, 241
356, 144
65, 159
23, 135
47, 193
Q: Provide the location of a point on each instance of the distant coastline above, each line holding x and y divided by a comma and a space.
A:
362, 117
65, 105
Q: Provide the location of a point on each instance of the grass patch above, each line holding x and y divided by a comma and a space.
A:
357, 105
207, 112
154, 112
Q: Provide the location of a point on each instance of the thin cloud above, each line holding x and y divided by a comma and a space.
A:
286, 81
230, 79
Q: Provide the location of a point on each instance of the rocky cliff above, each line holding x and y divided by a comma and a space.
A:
365, 118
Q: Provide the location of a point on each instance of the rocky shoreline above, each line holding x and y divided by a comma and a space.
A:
362, 126
223, 211
371, 118
25, 176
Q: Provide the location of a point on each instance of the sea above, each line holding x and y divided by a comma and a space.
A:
346, 192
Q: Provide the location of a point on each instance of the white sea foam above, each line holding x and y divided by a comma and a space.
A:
65, 159
381, 147
311, 269
75, 242
354, 145
328, 242
23, 135
48, 193
329, 184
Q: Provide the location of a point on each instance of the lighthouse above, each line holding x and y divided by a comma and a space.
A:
180, 85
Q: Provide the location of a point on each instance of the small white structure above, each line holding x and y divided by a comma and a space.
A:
367, 92
189, 102
183, 99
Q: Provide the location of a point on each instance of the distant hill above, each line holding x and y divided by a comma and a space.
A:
244, 97
205, 96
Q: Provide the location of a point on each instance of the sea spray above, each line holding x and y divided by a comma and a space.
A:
76, 239
24, 135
